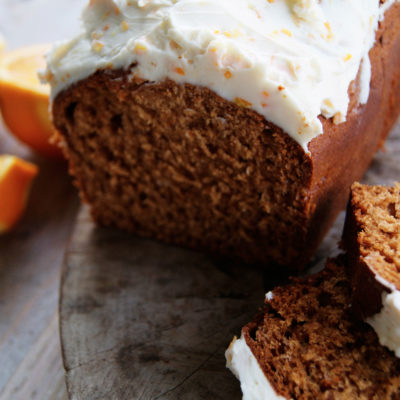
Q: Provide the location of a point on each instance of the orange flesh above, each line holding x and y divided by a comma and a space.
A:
24, 101
16, 177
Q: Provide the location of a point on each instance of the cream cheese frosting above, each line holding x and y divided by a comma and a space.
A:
241, 361
387, 322
291, 61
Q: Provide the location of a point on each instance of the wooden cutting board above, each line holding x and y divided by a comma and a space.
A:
142, 320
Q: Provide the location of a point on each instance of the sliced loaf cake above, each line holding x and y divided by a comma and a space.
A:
307, 344
372, 240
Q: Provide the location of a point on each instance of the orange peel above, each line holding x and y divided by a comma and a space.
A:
16, 177
24, 101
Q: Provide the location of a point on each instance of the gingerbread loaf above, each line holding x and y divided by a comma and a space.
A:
371, 238
307, 344
185, 123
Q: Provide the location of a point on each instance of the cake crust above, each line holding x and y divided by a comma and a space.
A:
181, 164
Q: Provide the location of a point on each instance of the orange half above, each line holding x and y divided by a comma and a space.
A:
16, 177
24, 101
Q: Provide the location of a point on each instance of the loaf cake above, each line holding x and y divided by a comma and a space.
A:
234, 126
307, 344
372, 240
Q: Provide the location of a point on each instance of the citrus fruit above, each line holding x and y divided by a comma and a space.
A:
16, 177
24, 101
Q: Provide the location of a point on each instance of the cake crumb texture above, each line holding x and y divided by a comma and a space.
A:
179, 163
377, 213
310, 346
371, 239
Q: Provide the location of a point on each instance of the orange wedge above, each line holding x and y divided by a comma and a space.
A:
24, 101
16, 178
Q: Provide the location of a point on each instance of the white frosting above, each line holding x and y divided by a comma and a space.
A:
269, 296
289, 60
387, 322
241, 361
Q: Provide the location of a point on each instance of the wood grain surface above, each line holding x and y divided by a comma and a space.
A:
141, 320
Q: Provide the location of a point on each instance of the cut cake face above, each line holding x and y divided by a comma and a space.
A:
372, 230
372, 240
308, 345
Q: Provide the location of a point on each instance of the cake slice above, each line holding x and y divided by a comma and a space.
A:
231, 126
372, 240
307, 344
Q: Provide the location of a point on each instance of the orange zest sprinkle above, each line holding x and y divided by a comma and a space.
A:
228, 74
97, 46
174, 45
180, 71
329, 29
280, 88
236, 33
117, 10
263, 105
106, 28
265, 93
347, 57
242, 102
286, 32
140, 48
96, 35
124, 26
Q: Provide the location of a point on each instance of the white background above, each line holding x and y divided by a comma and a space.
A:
24, 22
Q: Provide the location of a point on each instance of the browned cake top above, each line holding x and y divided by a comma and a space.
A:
311, 347
376, 211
